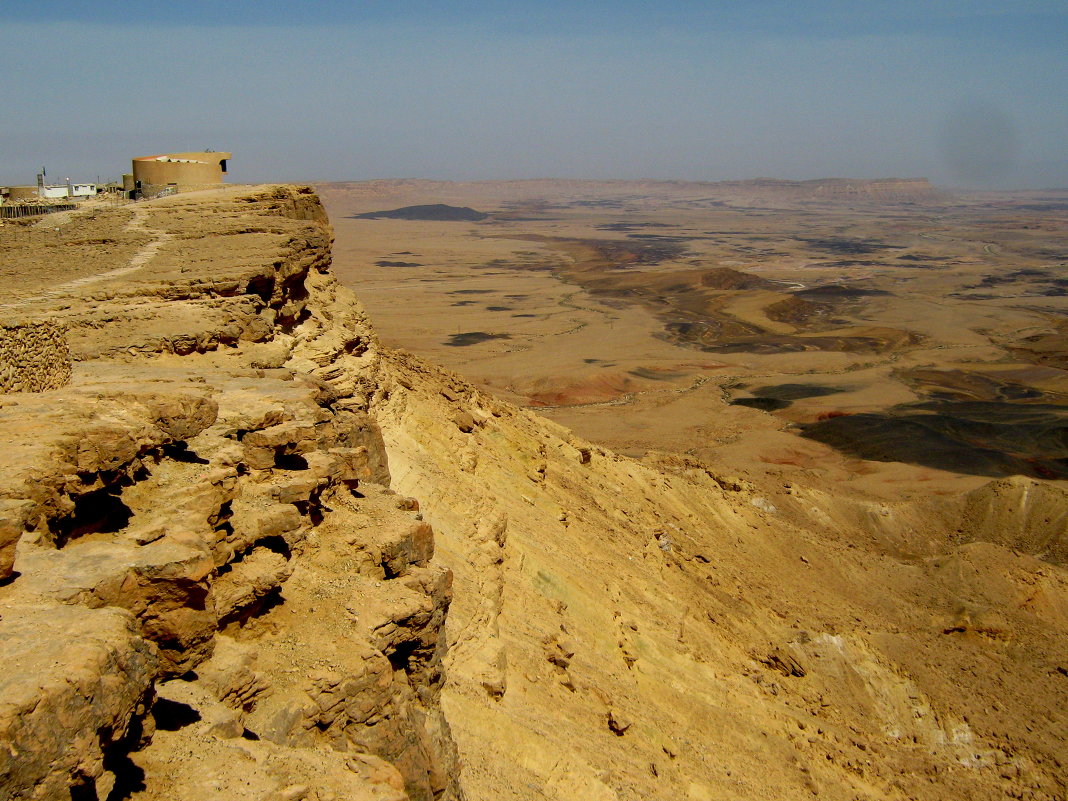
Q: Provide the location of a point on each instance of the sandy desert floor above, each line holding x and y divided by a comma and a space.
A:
890, 338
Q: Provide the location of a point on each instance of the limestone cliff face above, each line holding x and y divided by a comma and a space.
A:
256, 555
214, 593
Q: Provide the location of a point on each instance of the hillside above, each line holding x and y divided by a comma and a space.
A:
432, 211
246, 551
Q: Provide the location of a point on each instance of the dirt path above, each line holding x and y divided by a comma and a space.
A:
137, 224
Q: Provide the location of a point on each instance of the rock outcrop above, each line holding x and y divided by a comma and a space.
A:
247, 552
202, 563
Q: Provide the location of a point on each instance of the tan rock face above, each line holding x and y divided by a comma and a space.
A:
154, 503
652, 630
250, 554
76, 684
11, 527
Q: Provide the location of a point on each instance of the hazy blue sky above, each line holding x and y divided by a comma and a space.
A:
967, 93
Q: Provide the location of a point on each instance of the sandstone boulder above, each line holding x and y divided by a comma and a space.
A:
75, 682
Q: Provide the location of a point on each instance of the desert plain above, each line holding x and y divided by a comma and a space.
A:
609, 491
887, 336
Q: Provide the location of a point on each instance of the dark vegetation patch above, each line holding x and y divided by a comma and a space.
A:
712, 339
613, 254
1049, 254
470, 292
793, 392
849, 263
499, 308
780, 396
663, 237
997, 279
597, 204
473, 338
971, 437
1051, 206
796, 311
763, 404
433, 212
690, 302
625, 227
832, 292
463, 303
657, 373
1037, 282
387, 263
967, 385
852, 247
524, 315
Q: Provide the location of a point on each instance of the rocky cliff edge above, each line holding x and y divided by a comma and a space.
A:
249, 553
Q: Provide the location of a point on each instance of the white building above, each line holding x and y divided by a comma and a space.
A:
59, 191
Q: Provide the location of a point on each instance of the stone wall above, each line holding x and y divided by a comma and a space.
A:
34, 356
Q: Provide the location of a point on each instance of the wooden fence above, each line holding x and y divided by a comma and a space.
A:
14, 211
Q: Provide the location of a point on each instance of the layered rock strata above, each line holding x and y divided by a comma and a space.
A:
208, 589
250, 553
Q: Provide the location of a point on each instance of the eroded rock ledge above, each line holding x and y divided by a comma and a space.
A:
208, 589
216, 581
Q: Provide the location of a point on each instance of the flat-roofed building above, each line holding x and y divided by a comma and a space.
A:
68, 190
21, 194
178, 172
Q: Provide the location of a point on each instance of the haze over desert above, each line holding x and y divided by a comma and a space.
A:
885, 334
514, 401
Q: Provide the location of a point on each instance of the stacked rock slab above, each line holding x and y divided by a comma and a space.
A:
164, 508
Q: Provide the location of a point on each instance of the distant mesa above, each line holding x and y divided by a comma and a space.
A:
433, 212
781, 396
473, 338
